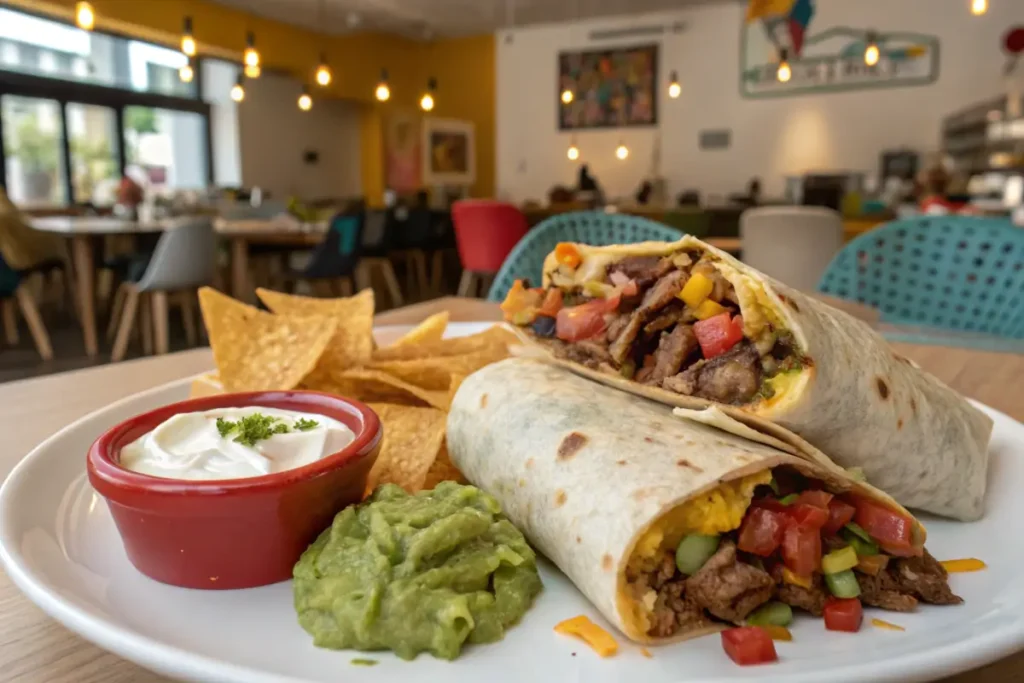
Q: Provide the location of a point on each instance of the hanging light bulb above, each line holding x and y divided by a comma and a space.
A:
622, 151
427, 101
253, 71
85, 15
187, 73
237, 90
674, 89
305, 100
188, 43
979, 7
573, 152
251, 57
871, 52
567, 96
784, 72
383, 92
323, 72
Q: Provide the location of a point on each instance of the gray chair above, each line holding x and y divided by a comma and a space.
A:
184, 260
793, 244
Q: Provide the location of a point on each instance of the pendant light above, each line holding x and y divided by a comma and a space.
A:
323, 72
187, 73
427, 101
979, 7
238, 90
784, 72
188, 42
567, 96
85, 15
871, 52
305, 100
383, 92
674, 89
573, 153
622, 151
251, 58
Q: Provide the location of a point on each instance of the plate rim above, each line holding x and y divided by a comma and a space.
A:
159, 656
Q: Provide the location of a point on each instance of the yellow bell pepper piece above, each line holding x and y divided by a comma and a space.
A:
708, 309
599, 640
796, 579
968, 565
696, 290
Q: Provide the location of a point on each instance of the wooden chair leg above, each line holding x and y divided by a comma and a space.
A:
418, 262
158, 302
146, 323
467, 283
344, 286
388, 271
35, 322
10, 322
188, 317
116, 309
437, 272
362, 276
124, 329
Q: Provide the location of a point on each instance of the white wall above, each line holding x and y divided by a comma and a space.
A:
275, 134
218, 77
770, 137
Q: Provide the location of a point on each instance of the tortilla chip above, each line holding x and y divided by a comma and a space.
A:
412, 441
436, 372
352, 344
374, 385
430, 330
443, 470
257, 351
496, 336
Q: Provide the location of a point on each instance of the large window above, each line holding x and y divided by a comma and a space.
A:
80, 109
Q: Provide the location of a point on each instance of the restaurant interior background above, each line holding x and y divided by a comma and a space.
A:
292, 116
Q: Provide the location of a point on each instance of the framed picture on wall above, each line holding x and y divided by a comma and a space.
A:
611, 88
449, 152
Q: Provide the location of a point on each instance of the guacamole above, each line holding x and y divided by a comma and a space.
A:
416, 573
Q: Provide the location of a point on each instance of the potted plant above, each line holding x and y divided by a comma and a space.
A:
36, 151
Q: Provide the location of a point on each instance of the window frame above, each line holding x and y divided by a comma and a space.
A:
66, 92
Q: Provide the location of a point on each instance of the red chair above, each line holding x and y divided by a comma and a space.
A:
485, 232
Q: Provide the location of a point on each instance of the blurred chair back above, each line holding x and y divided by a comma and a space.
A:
378, 233
185, 258
21, 246
696, 221
949, 272
413, 228
485, 232
793, 244
588, 227
338, 254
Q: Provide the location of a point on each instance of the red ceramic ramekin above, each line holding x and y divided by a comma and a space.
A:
232, 533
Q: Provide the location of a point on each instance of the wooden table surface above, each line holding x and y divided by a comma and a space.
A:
36, 649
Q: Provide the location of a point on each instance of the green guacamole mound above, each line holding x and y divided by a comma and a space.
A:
416, 573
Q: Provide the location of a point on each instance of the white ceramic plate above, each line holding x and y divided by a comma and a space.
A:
60, 546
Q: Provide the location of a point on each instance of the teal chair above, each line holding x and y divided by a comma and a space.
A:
526, 260
947, 272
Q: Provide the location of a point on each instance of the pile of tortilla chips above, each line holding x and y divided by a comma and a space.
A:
328, 345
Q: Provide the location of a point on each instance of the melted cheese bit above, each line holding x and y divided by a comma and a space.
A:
969, 564
599, 640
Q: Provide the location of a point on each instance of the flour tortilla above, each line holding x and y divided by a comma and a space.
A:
859, 402
584, 470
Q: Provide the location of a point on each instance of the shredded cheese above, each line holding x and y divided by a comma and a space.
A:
878, 623
599, 640
646, 653
969, 564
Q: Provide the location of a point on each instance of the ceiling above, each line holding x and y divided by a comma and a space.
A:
427, 18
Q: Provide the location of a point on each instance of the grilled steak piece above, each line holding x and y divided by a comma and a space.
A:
662, 293
643, 269
882, 590
673, 349
729, 589
926, 578
733, 377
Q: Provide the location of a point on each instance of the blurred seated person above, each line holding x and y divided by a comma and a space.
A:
643, 195
560, 194
688, 198
587, 188
934, 199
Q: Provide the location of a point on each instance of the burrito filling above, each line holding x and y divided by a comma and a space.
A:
688, 322
756, 547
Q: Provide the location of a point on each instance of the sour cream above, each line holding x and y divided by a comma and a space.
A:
190, 445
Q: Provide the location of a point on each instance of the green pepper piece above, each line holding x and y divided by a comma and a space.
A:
855, 528
790, 499
843, 585
628, 369
775, 486
771, 614
839, 560
693, 551
860, 546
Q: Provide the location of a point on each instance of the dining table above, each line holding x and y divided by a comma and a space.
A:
35, 648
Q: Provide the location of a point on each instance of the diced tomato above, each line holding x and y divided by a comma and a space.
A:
801, 549
584, 321
810, 516
892, 530
717, 334
839, 515
816, 498
748, 645
770, 504
552, 303
843, 615
762, 531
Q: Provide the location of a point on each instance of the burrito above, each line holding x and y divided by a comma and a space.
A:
671, 528
688, 325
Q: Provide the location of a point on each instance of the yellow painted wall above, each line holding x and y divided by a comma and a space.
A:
464, 67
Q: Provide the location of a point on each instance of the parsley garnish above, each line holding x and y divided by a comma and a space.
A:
256, 427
